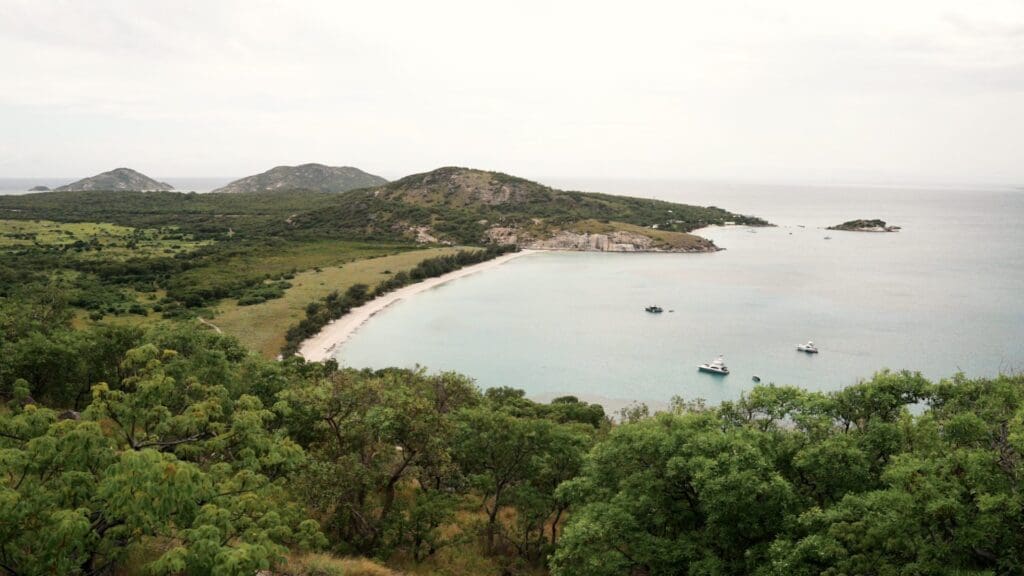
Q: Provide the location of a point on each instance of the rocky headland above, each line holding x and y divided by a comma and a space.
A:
454, 205
618, 241
609, 240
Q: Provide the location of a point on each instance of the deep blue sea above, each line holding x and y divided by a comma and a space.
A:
945, 294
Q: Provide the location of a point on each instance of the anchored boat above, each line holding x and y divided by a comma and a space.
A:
654, 309
716, 366
810, 348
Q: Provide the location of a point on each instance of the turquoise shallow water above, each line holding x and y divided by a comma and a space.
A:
941, 296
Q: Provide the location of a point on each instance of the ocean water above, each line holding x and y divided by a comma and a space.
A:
945, 294
21, 185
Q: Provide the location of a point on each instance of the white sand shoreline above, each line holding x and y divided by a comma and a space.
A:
322, 346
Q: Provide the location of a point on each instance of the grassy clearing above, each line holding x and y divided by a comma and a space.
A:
94, 240
245, 264
464, 555
81, 320
327, 565
261, 327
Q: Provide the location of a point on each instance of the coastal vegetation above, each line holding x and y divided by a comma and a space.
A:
468, 206
306, 287
135, 439
456, 205
94, 241
126, 257
172, 449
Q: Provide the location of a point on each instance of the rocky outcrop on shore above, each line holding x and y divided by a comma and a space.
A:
618, 241
611, 241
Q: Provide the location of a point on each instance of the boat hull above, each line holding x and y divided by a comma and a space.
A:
713, 370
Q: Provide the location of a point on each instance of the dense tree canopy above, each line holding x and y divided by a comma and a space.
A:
891, 476
150, 458
174, 450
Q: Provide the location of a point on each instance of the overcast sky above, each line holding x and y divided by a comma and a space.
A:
928, 91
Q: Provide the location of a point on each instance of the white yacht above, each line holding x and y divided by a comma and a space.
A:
716, 366
810, 348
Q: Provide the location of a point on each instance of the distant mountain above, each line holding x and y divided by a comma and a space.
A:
117, 179
462, 205
315, 177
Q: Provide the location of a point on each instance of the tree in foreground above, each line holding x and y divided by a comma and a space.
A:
380, 469
180, 467
786, 482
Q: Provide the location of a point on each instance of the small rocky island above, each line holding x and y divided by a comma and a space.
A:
39, 189
117, 179
865, 226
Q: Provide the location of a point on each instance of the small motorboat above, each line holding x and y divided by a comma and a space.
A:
654, 309
716, 366
810, 348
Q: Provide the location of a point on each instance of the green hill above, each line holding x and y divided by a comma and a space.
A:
315, 177
462, 205
117, 179
447, 205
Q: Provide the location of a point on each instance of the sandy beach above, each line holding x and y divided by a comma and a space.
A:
322, 346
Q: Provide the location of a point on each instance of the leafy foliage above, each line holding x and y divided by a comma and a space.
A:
216, 461
180, 443
790, 482
148, 459
370, 435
